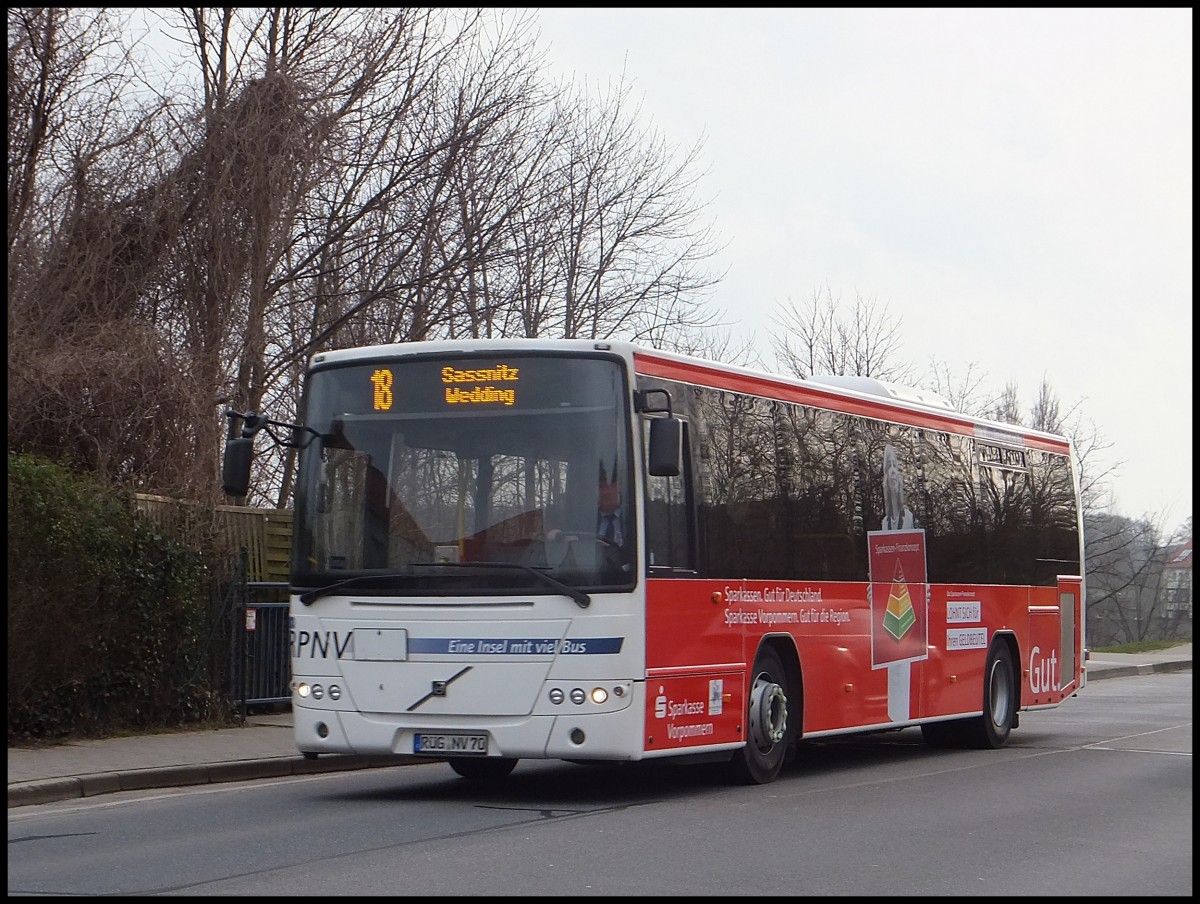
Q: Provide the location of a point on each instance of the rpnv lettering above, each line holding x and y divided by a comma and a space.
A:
319, 644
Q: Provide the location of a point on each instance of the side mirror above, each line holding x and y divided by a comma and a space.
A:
666, 446
235, 467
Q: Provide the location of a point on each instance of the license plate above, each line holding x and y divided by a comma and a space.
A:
451, 744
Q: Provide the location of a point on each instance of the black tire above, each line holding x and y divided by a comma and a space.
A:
1000, 694
989, 731
768, 728
483, 769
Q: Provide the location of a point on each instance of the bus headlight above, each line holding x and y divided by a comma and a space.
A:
303, 690
599, 695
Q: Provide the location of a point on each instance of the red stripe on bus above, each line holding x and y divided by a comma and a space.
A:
766, 387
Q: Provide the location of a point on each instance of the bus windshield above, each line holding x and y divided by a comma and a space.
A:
454, 475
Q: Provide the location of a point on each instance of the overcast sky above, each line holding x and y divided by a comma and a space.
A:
1015, 185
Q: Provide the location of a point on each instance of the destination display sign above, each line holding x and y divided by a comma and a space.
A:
468, 385
462, 387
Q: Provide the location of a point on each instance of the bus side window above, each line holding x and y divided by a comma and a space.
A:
668, 537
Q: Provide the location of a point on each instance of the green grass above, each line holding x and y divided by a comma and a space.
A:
1142, 646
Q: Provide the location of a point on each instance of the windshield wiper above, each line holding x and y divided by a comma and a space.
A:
573, 592
308, 597
581, 598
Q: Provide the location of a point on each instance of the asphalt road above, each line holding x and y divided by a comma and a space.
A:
1094, 797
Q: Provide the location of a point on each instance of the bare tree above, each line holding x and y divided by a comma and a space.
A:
965, 391
90, 380
821, 337
1007, 407
715, 344
1046, 413
1124, 589
628, 238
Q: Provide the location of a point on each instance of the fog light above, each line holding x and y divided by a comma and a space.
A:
577, 695
557, 696
577, 736
322, 730
303, 690
599, 695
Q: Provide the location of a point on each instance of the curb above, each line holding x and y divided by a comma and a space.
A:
1145, 668
44, 791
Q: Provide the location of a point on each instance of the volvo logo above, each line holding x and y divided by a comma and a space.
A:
439, 688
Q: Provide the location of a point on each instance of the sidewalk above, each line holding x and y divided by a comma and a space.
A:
264, 748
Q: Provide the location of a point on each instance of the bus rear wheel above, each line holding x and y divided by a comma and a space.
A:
483, 769
989, 731
767, 730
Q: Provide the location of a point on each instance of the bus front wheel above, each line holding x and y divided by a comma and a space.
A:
767, 731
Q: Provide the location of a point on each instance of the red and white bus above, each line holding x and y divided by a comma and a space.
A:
791, 559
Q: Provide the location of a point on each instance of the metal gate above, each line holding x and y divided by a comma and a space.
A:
260, 667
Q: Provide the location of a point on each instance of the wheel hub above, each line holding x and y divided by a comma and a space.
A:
768, 713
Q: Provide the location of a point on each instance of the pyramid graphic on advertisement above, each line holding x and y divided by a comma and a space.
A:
899, 616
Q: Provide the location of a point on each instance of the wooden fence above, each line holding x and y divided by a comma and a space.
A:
265, 534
